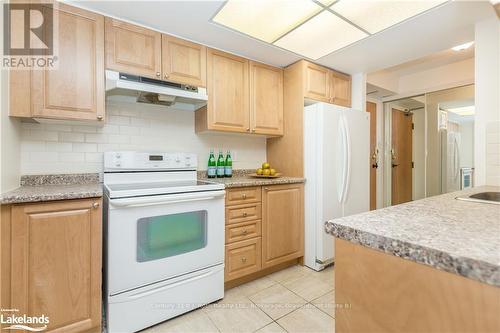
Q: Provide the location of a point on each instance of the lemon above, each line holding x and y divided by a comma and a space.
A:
266, 172
259, 171
265, 165
272, 172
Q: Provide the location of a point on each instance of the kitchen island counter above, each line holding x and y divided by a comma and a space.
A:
455, 236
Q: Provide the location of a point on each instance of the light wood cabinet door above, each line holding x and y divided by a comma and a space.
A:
56, 263
316, 82
282, 223
132, 49
242, 258
74, 90
228, 98
183, 61
340, 89
266, 99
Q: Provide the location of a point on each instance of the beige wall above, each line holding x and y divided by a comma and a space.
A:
9, 134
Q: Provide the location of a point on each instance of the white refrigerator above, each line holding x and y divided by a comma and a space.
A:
337, 172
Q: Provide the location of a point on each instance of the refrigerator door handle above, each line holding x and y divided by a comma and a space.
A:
347, 160
340, 163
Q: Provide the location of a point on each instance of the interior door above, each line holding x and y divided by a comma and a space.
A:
401, 156
371, 108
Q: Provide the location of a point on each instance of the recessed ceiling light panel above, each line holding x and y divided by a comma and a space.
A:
462, 47
375, 16
266, 20
320, 36
463, 110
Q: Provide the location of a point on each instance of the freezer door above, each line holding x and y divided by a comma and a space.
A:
357, 193
332, 175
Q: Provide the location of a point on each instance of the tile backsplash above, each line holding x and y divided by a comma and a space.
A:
493, 153
60, 148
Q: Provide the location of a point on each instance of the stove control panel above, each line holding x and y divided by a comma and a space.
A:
131, 160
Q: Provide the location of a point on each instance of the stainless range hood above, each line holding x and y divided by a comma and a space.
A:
151, 91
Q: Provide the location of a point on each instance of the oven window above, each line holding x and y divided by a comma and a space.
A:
170, 235
466, 181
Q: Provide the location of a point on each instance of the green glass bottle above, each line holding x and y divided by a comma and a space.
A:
228, 168
220, 165
212, 165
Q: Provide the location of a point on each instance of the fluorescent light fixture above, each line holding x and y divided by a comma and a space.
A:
266, 20
462, 47
374, 16
463, 110
320, 36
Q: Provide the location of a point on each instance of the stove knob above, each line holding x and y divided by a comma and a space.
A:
118, 165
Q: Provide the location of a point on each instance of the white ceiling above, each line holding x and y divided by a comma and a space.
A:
436, 30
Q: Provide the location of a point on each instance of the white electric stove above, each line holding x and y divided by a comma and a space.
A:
164, 238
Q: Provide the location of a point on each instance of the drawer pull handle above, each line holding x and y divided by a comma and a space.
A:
244, 195
244, 232
243, 259
245, 214
95, 205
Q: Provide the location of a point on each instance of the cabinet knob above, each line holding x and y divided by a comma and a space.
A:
244, 196
245, 214
95, 205
100, 118
243, 259
266, 188
248, 129
158, 74
166, 76
253, 130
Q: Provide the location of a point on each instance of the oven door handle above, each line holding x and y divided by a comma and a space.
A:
166, 199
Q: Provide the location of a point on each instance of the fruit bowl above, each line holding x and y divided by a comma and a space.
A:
276, 175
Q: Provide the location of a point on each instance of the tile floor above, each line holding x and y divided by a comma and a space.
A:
296, 299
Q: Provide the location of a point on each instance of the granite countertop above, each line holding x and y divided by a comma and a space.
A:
456, 236
54, 187
241, 178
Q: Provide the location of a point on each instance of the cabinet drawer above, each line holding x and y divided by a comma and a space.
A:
243, 195
241, 231
242, 258
241, 213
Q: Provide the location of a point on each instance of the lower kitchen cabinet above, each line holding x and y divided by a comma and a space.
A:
242, 258
56, 263
282, 223
264, 228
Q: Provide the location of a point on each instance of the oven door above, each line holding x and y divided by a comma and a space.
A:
154, 238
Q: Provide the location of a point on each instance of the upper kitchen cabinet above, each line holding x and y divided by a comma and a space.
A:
340, 89
184, 62
228, 94
132, 49
316, 82
74, 89
266, 99
243, 96
325, 85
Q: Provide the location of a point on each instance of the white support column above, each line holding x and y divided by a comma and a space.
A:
487, 102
